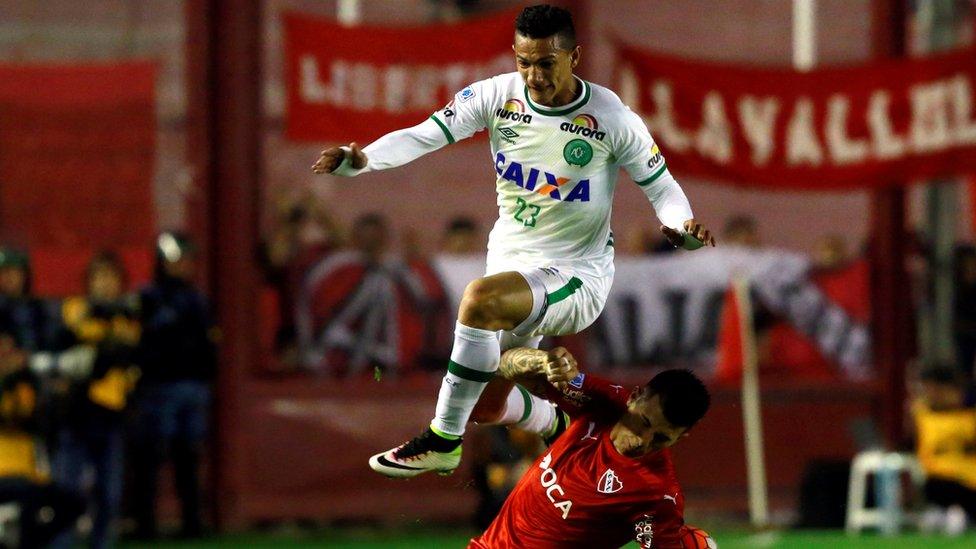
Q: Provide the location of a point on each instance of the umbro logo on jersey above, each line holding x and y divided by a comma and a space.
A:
508, 134
609, 483
542, 182
514, 110
585, 125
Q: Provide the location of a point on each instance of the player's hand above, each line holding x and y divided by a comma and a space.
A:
560, 368
692, 229
330, 159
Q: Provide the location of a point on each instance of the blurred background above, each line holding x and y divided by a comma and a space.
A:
200, 340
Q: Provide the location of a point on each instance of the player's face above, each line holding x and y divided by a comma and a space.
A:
643, 428
546, 69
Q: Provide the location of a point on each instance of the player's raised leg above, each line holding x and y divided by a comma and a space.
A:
499, 302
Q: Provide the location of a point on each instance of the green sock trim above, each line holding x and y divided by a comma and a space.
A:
528, 404
444, 435
469, 374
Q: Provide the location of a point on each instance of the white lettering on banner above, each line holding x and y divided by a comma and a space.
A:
758, 119
628, 88
715, 136
662, 122
929, 128
843, 149
941, 115
802, 145
885, 143
363, 86
962, 110
396, 80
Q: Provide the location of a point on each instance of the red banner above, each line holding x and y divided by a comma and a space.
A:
358, 83
870, 125
77, 155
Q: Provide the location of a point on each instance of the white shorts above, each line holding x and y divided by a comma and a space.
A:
564, 302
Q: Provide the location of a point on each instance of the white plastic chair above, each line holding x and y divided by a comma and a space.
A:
889, 514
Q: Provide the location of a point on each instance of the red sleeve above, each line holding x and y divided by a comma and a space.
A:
590, 393
661, 528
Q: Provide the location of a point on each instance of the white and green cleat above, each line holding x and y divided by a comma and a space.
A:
426, 453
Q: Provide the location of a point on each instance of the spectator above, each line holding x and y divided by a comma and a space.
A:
945, 428
371, 237
92, 436
32, 323
177, 356
741, 230
302, 234
44, 510
462, 237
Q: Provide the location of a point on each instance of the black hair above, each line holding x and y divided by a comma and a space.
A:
543, 21
684, 397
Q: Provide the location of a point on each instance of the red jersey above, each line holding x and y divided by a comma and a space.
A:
583, 493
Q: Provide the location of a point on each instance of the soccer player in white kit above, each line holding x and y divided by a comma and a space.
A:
557, 142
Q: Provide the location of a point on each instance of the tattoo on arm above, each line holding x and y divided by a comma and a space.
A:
522, 364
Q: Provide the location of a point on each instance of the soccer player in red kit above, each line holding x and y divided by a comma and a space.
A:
608, 479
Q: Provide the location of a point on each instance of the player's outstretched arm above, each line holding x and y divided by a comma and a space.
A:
537, 370
390, 151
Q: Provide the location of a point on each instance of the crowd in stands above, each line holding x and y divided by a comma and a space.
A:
96, 391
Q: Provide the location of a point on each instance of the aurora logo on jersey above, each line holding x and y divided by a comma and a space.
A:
542, 182
514, 110
585, 125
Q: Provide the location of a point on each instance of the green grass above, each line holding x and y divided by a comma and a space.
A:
360, 539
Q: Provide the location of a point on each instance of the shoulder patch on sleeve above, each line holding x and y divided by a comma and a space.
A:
466, 94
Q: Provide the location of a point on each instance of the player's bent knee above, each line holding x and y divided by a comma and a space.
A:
481, 307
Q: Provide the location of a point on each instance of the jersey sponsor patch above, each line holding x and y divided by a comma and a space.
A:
644, 533
657, 159
585, 125
514, 110
466, 94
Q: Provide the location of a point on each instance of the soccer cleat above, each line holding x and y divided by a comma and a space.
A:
559, 427
425, 453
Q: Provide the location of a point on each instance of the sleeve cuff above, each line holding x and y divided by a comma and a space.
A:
345, 168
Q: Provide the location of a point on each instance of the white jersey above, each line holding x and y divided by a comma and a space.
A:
555, 168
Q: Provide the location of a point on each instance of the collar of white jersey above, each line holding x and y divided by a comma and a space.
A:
564, 109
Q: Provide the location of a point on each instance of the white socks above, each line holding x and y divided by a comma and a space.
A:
527, 411
474, 360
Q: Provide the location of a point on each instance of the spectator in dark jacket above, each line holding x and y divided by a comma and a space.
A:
177, 357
